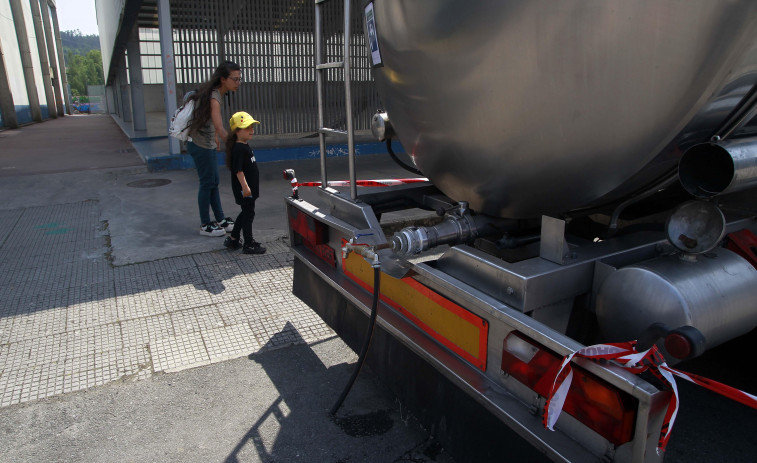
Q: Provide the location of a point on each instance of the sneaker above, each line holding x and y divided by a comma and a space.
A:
253, 248
227, 224
212, 229
231, 243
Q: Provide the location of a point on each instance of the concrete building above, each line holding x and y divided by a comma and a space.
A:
33, 83
154, 51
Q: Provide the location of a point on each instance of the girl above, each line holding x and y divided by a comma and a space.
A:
245, 181
205, 128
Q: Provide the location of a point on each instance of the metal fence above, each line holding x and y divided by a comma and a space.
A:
273, 41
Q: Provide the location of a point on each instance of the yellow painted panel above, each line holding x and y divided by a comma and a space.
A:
427, 306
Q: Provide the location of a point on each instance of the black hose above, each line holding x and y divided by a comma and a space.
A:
366, 344
398, 160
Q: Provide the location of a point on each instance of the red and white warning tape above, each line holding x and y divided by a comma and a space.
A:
637, 362
380, 182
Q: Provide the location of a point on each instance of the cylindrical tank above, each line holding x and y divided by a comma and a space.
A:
713, 292
530, 107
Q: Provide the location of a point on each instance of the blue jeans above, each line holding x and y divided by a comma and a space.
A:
207, 169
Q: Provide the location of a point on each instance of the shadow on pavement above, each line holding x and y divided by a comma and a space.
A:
298, 416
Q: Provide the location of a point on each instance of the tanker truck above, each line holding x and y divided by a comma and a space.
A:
591, 168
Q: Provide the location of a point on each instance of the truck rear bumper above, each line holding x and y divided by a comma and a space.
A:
474, 419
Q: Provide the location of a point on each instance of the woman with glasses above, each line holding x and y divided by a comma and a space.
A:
205, 131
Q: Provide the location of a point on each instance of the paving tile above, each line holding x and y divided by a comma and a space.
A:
208, 317
274, 333
89, 312
143, 331
230, 342
184, 288
8, 220
185, 321
93, 340
38, 324
139, 297
226, 281
177, 353
134, 361
11, 383
32, 352
238, 311
41, 381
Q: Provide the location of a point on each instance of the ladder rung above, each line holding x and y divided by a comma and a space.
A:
334, 64
328, 131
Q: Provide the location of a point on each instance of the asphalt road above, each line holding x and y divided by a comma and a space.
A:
271, 407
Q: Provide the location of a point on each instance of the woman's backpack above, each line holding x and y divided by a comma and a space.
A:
181, 121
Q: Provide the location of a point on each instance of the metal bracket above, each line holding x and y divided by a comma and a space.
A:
553, 246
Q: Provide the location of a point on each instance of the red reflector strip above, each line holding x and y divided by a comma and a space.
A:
605, 409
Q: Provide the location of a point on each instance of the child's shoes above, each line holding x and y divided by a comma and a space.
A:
253, 248
231, 243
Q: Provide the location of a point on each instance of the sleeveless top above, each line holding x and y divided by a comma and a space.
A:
205, 137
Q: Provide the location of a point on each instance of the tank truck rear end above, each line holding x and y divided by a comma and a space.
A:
594, 169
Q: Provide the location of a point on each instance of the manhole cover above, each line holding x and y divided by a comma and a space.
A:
149, 183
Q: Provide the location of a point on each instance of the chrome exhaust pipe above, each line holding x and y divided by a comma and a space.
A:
710, 169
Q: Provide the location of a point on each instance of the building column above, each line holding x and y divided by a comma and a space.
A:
6, 97
61, 61
165, 30
137, 83
124, 85
111, 99
117, 97
26, 59
53, 59
39, 32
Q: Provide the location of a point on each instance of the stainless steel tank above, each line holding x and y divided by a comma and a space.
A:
530, 107
713, 292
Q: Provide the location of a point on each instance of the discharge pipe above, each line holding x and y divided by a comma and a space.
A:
458, 227
710, 169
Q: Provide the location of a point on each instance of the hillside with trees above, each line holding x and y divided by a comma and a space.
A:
84, 64
79, 44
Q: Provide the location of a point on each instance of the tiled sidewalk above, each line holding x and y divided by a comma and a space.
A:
69, 320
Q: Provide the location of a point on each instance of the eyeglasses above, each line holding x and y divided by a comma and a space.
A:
236, 79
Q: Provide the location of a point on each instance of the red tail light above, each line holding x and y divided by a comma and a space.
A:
597, 404
313, 234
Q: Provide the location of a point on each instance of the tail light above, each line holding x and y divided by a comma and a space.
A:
312, 233
594, 402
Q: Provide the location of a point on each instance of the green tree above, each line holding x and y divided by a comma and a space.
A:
85, 70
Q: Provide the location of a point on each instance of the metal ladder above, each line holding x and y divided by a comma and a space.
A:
320, 70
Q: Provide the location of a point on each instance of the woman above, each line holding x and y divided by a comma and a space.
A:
206, 128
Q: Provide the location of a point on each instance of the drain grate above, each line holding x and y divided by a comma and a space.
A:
149, 183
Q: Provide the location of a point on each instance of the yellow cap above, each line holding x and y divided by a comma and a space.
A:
241, 120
